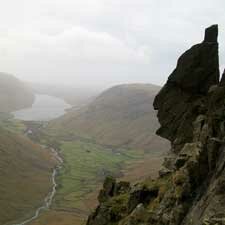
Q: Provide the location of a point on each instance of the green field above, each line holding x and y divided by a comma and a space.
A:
85, 166
9, 123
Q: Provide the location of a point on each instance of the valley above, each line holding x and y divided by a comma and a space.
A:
112, 112
85, 167
88, 155
87, 161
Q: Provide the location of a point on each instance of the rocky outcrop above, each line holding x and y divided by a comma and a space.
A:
191, 189
183, 95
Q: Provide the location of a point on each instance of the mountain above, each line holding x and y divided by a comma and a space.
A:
25, 175
191, 187
121, 116
14, 94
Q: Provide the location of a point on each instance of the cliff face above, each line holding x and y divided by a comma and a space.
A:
183, 96
191, 188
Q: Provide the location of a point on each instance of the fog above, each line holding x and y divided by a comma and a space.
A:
102, 42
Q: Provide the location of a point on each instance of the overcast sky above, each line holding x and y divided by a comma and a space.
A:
102, 42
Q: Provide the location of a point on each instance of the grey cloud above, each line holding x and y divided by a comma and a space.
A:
102, 42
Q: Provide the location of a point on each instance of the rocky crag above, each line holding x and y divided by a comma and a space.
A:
191, 187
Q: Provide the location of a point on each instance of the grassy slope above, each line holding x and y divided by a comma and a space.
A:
86, 165
121, 116
25, 171
9, 123
14, 94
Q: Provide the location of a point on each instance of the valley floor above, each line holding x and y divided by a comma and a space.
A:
85, 166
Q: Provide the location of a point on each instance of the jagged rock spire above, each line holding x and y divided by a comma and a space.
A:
197, 70
211, 33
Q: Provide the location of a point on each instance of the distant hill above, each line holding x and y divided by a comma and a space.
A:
25, 171
14, 94
121, 116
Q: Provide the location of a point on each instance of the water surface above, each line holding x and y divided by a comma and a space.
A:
45, 108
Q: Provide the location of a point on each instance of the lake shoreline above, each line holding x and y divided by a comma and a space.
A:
44, 108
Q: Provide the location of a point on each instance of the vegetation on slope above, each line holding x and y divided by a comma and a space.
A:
14, 94
9, 123
85, 166
25, 175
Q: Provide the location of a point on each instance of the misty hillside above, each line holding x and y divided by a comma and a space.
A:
120, 116
72, 95
14, 94
25, 176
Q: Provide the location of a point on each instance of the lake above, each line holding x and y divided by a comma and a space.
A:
44, 108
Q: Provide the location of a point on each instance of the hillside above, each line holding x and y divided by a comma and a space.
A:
121, 116
25, 177
191, 187
14, 94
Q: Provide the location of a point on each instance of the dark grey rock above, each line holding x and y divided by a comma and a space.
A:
211, 34
182, 97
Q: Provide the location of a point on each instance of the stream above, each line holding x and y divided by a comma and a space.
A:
44, 108
48, 200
